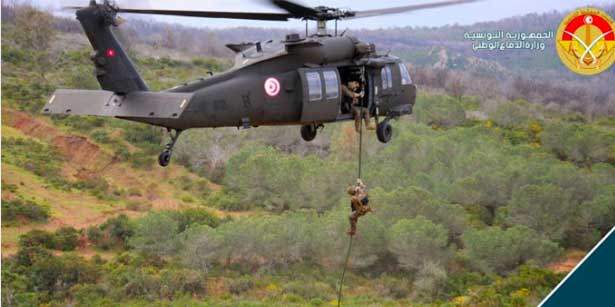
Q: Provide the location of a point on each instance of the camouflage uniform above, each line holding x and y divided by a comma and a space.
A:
359, 109
359, 203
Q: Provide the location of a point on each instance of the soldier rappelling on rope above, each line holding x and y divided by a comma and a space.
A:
359, 204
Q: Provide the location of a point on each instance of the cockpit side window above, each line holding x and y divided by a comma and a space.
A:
314, 84
405, 75
387, 77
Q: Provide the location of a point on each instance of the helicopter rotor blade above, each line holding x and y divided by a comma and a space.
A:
208, 14
212, 14
405, 8
294, 8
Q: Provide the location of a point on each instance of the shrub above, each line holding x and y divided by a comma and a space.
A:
56, 274
582, 144
94, 235
240, 285
28, 209
66, 239
100, 136
27, 255
439, 111
392, 287
430, 281
37, 237
194, 216
116, 231
98, 186
90, 294
155, 234
493, 249
180, 281
413, 240
510, 113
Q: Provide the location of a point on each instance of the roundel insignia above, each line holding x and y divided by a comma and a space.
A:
272, 87
585, 41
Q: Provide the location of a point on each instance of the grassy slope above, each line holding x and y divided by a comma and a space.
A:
78, 208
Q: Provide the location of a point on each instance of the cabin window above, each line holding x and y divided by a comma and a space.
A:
405, 75
387, 77
332, 89
314, 86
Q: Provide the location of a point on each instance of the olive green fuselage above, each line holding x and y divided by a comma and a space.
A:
238, 97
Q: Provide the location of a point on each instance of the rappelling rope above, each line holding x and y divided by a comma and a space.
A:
339, 292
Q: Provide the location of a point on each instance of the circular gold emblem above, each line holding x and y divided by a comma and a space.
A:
585, 41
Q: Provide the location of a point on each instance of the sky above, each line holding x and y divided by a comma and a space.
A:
486, 10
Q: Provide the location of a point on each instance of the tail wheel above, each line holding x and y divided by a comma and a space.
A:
384, 131
308, 132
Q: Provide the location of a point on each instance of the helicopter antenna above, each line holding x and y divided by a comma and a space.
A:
336, 27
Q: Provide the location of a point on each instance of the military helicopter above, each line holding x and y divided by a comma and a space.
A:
297, 81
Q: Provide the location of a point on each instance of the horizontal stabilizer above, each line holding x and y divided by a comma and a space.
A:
105, 103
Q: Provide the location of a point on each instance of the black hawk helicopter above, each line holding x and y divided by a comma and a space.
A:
296, 81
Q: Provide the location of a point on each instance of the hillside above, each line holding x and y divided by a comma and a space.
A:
480, 200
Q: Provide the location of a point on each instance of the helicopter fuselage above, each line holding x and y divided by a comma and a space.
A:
269, 86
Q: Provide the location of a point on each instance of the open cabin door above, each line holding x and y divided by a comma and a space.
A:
321, 94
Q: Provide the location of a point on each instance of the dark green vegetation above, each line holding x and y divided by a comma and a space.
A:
473, 198
29, 210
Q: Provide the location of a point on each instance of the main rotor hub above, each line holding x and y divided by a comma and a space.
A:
325, 13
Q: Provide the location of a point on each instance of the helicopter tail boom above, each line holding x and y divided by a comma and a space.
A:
114, 70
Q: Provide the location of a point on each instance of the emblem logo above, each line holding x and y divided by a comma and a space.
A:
272, 87
585, 41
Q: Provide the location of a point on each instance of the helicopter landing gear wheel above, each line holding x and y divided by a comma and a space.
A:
165, 156
308, 132
384, 131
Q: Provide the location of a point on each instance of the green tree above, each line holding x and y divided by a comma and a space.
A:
493, 249
583, 144
411, 202
548, 209
414, 240
155, 235
594, 219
